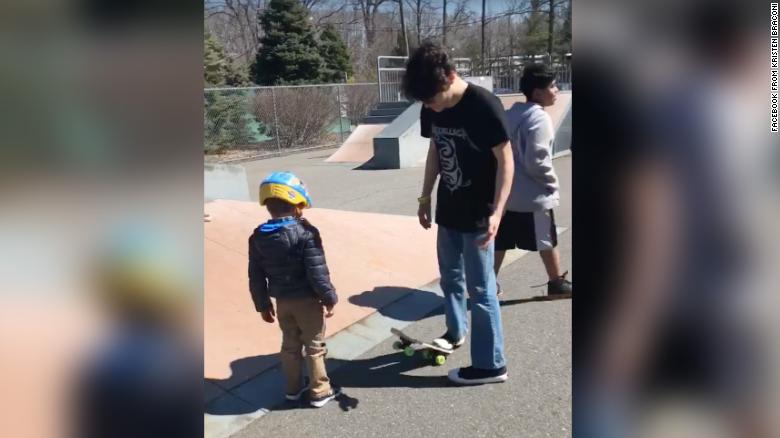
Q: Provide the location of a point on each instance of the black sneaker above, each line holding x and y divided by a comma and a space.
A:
323, 400
560, 286
477, 376
447, 342
297, 396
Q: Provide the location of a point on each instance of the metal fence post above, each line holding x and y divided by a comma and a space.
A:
338, 100
276, 121
379, 76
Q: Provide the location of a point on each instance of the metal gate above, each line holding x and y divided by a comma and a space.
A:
390, 71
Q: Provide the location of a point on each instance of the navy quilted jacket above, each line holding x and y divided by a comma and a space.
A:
286, 260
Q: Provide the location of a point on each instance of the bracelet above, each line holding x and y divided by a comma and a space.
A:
424, 199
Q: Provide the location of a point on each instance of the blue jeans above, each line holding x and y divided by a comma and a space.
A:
460, 254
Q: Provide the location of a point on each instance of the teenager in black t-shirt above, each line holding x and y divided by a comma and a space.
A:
470, 151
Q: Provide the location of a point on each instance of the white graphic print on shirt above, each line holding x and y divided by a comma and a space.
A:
446, 140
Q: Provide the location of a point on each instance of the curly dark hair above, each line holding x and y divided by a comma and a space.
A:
426, 72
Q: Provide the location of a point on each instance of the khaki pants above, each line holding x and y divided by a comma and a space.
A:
302, 321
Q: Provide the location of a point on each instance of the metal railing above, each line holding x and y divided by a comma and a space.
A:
507, 71
276, 120
390, 72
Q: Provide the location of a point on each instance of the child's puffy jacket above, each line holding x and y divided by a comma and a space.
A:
286, 260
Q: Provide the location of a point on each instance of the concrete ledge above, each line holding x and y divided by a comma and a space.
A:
400, 144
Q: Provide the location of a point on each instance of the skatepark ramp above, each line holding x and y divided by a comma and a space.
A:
359, 146
386, 145
399, 144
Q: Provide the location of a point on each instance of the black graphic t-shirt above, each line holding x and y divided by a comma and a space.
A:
464, 136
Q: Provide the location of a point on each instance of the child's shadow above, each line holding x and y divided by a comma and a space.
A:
419, 304
386, 300
377, 372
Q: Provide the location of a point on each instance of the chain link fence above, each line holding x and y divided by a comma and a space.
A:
252, 122
264, 121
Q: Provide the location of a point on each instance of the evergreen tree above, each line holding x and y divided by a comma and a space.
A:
214, 122
226, 120
289, 53
225, 114
335, 56
218, 69
213, 63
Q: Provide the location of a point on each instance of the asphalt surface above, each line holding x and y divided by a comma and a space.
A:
387, 394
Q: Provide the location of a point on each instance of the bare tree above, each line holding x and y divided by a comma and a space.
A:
310, 4
444, 24
551, 28
403, 25
243, 36
425, 18
417, 8
483, 32
369, 10
324, 11
459, 19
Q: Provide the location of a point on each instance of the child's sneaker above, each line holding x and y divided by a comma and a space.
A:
323, 400
447, 342
477, 376
560, 286
297, 395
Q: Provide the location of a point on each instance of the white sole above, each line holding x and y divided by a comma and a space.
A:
295, 397
448, 346
299, 394
453, 376
323, 402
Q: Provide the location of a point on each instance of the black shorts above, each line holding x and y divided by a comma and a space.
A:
531, 231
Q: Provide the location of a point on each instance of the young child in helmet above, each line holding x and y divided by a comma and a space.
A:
287, 262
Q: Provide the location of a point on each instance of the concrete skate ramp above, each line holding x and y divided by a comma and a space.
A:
376, 256
359, 146
400, 144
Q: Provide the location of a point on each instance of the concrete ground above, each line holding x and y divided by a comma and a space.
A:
387, 394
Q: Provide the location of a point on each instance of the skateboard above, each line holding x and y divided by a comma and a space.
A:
437, 355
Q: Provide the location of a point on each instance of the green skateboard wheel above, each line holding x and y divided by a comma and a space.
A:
409, 351
440, 359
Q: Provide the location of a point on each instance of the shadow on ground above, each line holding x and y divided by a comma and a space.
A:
386, 371
379, 297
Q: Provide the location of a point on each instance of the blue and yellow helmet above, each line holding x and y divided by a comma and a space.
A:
284, 186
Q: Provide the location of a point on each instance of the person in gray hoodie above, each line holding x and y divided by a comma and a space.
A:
529, 222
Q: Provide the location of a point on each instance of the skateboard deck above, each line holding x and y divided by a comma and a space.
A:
437, 355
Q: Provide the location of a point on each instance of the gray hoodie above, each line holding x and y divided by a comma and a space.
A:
535, 184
